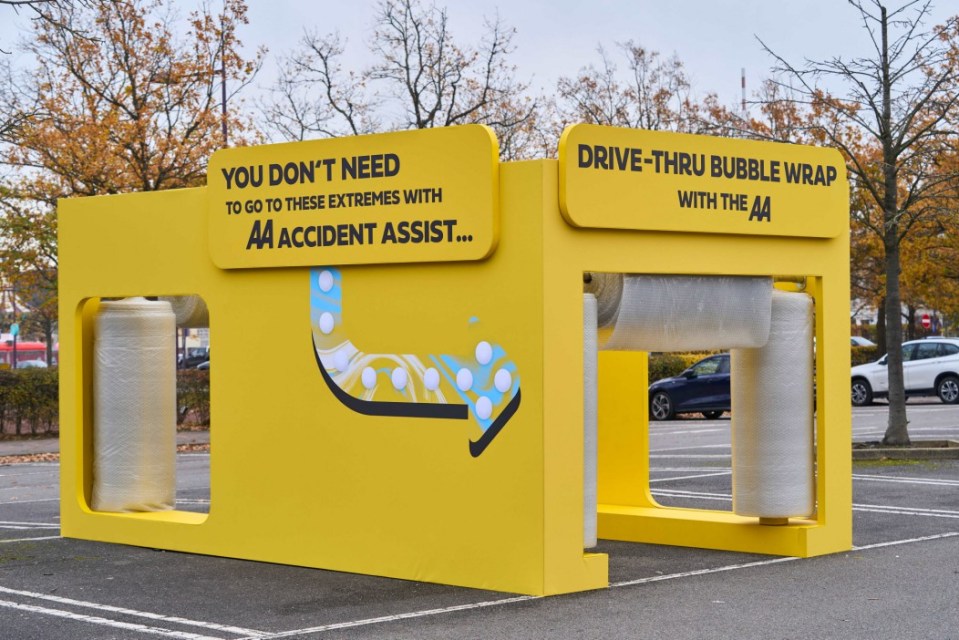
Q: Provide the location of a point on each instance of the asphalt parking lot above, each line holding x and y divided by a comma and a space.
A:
900, 581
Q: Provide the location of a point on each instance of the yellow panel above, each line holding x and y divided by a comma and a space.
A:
635, 179
409, 196
376, 488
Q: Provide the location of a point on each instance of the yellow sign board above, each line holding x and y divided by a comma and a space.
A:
616, 178
409, 196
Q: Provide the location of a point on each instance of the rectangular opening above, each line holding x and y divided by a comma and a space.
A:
146, 404
704, 335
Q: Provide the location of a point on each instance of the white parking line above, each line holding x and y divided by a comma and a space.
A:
116, 624
700, 446
700, 475
35, 525
903, 512
260, 635
213, 626
763, 563
685, 431
867, 508
393, 618
919, 510
31, 539
897, 480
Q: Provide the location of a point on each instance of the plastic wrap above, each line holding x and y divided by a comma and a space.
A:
607, 288
590, 419
689, 313
772, 416
190, 311
134, 414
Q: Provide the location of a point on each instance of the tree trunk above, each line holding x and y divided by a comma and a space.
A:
896, 431
910, 322
881, 328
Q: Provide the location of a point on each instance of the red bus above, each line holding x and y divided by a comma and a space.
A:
26, 352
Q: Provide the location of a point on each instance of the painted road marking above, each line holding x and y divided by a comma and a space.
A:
699, 475
213, 626
259, 635
2, 541
129, 626
898, 480
866, 508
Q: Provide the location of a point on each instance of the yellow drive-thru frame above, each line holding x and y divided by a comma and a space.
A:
397, 322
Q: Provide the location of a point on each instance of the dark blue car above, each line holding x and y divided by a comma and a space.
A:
702, 388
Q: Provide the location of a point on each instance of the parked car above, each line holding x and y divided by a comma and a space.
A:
702, 388
31, 364
194, 357
859, 341
930, 368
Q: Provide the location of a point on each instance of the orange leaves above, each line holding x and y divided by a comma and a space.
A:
123, 103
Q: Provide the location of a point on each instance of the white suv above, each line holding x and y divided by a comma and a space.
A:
930, 367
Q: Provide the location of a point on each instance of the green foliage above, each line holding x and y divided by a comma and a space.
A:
193, 396
666, 365
862, 355
29, 402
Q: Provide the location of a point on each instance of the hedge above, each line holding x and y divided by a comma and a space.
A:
29, 402
666, 365
862, 355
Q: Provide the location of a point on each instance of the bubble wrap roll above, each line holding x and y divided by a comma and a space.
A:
590, 419
607, 288
134, 407
691, 313
191, 311
772, 409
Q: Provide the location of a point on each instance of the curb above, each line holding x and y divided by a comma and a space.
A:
920, 450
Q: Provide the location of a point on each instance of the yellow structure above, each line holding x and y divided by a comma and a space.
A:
418, 411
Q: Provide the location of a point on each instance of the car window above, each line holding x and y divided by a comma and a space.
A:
946, 349
707, 367
908, 352
723, 365
926, 350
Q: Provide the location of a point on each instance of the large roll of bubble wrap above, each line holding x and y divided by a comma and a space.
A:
134, 415
688, 313
590, 419
190, 311
772, 416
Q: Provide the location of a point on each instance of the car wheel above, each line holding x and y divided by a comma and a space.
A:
661, 406
948, 389
861, 393
712, 415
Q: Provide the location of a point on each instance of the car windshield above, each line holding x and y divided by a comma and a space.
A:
710, 366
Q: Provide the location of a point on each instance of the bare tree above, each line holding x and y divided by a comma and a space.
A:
900, 97
653, 93
422, 78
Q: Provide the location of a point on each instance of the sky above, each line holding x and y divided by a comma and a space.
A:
715, 39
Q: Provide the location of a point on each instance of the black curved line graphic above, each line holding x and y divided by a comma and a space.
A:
479, 446
383, 408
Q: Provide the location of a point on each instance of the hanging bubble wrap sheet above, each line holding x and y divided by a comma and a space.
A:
134, 433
